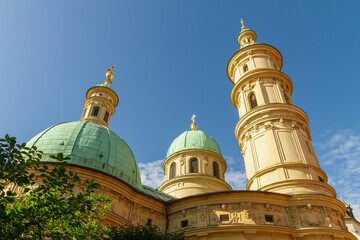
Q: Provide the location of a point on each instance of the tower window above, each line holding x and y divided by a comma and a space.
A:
253, 102
321, 179
245, 68
172, 170
269, 218
224, 218
95, 111
216, 169
194, 165
106, 117
184, 223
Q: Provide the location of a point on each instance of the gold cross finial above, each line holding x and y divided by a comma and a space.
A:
243, 26
109, 75
193, 125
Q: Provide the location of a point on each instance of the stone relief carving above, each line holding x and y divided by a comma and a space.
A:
129, 210
311, 216
192, 216
202, 215
213, 217
334, 218
246, 211
257, 213
291, 212
251, 213
248, 87
269, 125
136, 213
173, 223
183, 212
121, 208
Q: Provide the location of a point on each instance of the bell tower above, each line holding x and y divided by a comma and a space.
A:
273, 134
100, 102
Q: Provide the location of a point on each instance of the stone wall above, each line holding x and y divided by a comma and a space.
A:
263, 215
129, 205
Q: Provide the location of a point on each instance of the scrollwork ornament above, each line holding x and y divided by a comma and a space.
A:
294, 125
247, 136
182, 160
183, 212
269, 125
281, 122
205, 162
267, 206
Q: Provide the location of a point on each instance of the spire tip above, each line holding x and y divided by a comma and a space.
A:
193, 125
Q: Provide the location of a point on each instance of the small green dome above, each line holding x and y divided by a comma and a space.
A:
90, 145
193, 140
104, 85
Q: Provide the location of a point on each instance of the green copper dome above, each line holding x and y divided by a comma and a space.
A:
104, 85
193, 140
90, 145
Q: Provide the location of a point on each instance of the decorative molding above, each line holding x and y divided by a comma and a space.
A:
247, 136
269, 125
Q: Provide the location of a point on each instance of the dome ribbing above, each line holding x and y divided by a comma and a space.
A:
90, 145
193, 140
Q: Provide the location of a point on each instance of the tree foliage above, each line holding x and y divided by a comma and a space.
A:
147, 232
37, 200
45, 201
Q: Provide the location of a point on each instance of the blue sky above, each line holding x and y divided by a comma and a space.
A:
170, 62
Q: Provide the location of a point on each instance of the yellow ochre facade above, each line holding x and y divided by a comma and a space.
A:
287, 195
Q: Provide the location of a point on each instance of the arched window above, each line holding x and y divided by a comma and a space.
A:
106, 117
253, 102
172, 170
194, 165
245, 68
216, 169
95, 111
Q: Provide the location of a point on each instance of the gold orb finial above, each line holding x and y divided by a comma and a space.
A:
109, 75
243, 26
193, 125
